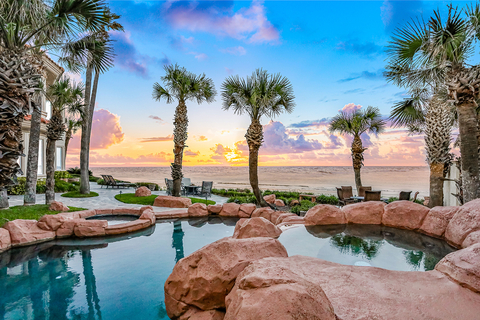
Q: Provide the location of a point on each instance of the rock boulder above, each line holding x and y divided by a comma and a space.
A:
214, 209
466, 220
230, 210
270, 198
471, 239
58, 206
404, 214
148, 215
255, 227
323, 214
204, 278
143, 192
90, 228
5, 241
279, 203
25, 232
437, 220
369, 212
52, 222
265, 212
172, 202
246, 210
198, 210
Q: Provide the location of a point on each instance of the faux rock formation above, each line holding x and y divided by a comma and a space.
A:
437, 220
125, 210
5, 242
198, 210
370, 212
263, 212
404, 214
58, 206
208, 315
279, 203
143, 192
270, 198
172, 202
214, 208
466, 220
127, 227
230, 210
52, 222
148, 215
25, 232
255, 227
204, 278
267, 290
292, 220
463, 266
66, 229
246, 210
283, 216
90, 228
471, 239
323, 214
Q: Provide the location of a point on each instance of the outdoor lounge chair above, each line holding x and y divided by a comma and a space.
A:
111, 182
361, 191
342, 201
373, 195
206, 190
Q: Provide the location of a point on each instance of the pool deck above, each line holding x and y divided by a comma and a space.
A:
105, 199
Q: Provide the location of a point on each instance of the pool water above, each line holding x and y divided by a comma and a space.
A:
122, 277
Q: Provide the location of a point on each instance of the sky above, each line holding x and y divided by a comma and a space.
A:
333, 53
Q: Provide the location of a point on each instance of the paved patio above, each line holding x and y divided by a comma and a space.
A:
105, 199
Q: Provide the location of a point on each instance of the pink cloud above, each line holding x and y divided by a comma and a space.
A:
190, 153
121, 160
106, 131
250, 24
351, 107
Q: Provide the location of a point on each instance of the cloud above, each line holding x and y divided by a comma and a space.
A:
236, 51
200, 138
367, 50
121, 160
128, 58
357, 90
229, 71
277, 141
396, 13
178, 43
218, 17
199, 56
157, 119
190, 153
158, 139
351, 107
377, 75
165, 60
310, 123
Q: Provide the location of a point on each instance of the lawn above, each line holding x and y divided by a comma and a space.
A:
77, 194
34, 212
148, 201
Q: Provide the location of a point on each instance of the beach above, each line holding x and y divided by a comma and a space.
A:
319, 180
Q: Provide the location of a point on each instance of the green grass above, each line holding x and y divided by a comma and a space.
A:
77, 194
148, 201
34, 212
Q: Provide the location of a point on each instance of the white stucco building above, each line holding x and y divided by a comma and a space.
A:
51, 73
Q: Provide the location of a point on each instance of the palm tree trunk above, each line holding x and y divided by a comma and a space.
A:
357, 158
68, 136
179, 139
254, 138
32, 161
436, 184
85, 139
50, 171
467, 120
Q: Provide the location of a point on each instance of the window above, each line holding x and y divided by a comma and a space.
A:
48, 110
40, 157
59, 159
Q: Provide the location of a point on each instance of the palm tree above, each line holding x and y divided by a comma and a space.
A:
64, 95
356, 123
27, 27
181, 85
72, 125
435, 54
432, 115
260, 95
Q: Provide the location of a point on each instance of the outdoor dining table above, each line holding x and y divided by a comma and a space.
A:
191, 189
359, 199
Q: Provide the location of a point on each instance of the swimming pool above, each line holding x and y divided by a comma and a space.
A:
122, 277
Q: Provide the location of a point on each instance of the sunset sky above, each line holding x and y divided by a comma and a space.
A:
331, 51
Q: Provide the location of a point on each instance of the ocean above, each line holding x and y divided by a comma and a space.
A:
319, 180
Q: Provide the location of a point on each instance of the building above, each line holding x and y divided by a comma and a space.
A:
51, 73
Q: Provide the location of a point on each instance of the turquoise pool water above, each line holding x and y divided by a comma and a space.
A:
122, 277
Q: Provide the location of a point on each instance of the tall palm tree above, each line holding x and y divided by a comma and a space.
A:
433, 116
27, 27
181, 85
356, 123
64, 95
436, 54
260, 95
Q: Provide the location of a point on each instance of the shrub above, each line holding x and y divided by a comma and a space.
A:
305, 205
60, 186
62, 175
101, 182
324, 199
93, 179
145, 184
240, 200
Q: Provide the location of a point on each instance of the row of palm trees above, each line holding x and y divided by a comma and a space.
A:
75, 30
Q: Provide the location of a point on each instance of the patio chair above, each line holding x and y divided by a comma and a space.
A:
347, 192
111, 182
404, 195
373, 195
169, 185
206, 190
361, 191
341, 199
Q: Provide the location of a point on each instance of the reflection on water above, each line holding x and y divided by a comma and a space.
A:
110, 278
383, 247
